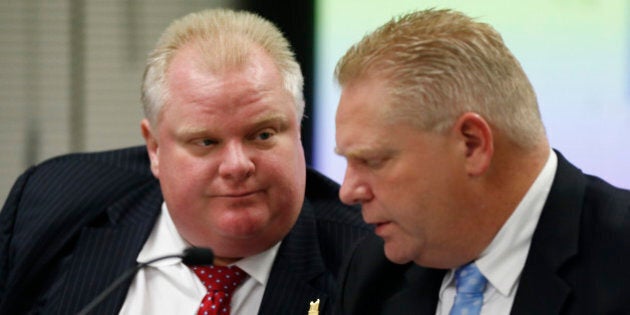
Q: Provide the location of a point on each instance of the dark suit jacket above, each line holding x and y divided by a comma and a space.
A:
578, 263
71, 225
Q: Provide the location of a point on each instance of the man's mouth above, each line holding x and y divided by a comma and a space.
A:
381, 227
238, 194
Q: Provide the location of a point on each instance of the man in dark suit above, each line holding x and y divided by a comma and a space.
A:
223, 168
474, 212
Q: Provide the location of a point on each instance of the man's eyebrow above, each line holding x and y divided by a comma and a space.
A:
191, 130
354, 152
365, 152
270, 118
340, 152
258, 122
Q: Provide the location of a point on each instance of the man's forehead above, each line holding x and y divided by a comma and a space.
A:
361, 143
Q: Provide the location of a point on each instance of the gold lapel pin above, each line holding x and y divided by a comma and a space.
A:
314, 309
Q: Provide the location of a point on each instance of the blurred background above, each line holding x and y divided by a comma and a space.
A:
70, 71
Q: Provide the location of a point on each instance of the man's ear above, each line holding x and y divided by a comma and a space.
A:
152, 146
479, 143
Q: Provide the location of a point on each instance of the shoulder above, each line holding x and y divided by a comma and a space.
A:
96, 170
599, 206
322, 194
603, 244
132, 159
601, 194
585, 226
75, 186
606, 215
337, 225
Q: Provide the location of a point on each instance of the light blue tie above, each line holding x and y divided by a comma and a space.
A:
470, 285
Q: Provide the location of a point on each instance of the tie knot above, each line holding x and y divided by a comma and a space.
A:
220, 278
468, 279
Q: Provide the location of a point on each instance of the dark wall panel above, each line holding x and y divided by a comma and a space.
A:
296, 19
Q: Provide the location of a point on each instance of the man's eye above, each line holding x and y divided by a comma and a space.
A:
373, 162
206, 142
265, 135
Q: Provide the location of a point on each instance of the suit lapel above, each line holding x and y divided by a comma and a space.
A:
297, 271
104, 252
541, 290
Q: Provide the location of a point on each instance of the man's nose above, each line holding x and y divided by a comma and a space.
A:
353, 189
236, 163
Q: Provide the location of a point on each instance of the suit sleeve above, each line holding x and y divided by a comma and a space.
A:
7, 221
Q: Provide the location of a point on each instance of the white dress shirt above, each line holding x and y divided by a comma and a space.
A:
503, 260
170, 287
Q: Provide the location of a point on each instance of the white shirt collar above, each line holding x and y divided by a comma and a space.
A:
259, 266
503, 260
166, 240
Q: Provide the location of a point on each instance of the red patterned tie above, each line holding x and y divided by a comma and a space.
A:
220, 281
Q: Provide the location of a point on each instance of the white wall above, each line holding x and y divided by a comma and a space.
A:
45, 82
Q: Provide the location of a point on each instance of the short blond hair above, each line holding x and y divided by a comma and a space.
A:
226, 39
439, 64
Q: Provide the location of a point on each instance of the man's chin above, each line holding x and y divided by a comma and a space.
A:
395, 255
